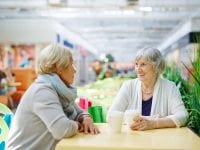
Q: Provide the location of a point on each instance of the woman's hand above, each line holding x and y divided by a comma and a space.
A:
144, 123
87, 126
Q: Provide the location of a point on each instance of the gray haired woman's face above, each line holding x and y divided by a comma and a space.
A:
67, 74
144, 70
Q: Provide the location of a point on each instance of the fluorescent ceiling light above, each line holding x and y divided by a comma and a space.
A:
146, 9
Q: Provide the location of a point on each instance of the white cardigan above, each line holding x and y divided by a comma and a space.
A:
166, 100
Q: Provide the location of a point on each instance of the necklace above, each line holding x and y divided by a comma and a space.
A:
147, 92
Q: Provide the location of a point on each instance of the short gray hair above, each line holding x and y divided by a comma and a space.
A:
52, 58
153, 56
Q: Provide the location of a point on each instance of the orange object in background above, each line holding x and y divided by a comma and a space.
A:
25, 76
4, 99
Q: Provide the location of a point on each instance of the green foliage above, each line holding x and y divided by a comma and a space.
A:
193, 96
190, 91
109, 58
102, 92
194, 109
174, 74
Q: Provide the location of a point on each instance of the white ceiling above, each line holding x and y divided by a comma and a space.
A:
119, 27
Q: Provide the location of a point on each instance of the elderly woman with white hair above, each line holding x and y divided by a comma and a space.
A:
157, 99
47, 111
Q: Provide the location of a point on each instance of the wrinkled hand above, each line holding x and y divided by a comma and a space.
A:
87, 126
144, 123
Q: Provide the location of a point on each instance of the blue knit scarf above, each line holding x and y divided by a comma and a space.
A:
67, 94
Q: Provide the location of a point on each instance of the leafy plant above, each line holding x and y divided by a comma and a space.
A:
190, 91
173, 74
193, 96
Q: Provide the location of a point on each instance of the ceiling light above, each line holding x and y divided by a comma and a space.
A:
146, 9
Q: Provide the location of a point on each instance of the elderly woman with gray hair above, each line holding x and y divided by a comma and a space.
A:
47, 111
157, 99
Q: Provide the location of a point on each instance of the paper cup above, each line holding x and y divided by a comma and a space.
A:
115, 121
130, 115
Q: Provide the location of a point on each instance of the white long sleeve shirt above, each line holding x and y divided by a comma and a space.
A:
166, 100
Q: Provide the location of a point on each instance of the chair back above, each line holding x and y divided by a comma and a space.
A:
8, 119
6, 114
4, 109
3, 133
2, 145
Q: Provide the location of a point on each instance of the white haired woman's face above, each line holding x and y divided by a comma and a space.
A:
144, 70
67, 74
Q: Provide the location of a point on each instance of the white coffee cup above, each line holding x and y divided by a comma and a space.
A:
130, 116
115, 121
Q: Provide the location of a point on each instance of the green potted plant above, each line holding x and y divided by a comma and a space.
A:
190, 91
192, 98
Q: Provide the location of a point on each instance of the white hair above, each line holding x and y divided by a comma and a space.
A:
153, 56
52, 58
